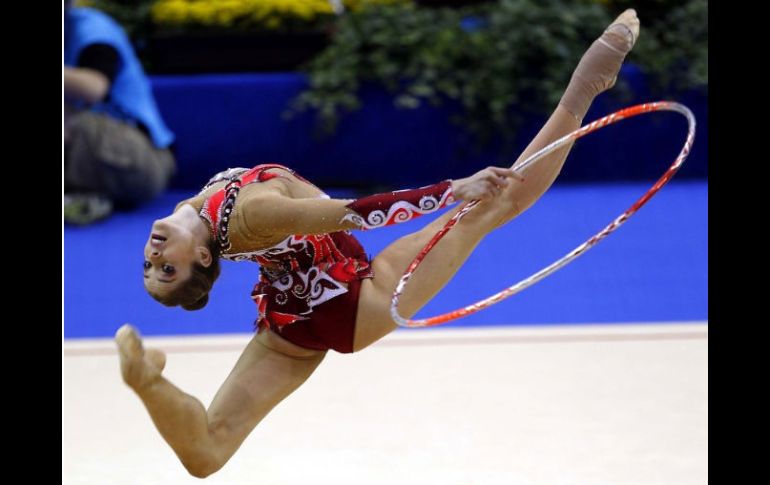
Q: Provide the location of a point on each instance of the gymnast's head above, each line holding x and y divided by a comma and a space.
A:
181, 264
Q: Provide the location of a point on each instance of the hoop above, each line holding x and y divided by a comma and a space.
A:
553, 267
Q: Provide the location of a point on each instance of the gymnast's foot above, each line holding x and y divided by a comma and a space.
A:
140, 369
599, 66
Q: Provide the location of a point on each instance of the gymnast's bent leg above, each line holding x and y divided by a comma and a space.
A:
268, 370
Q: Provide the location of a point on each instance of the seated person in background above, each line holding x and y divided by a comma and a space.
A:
116, 145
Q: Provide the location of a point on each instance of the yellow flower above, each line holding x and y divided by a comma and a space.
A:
170, 12
268, 14
202, 13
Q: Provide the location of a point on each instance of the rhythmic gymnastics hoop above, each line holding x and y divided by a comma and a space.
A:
569, 257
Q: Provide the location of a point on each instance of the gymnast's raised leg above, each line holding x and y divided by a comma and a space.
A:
595, 73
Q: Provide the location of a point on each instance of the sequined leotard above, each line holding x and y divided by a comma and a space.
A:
309, 284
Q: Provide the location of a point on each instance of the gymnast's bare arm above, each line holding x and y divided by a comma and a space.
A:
286, 207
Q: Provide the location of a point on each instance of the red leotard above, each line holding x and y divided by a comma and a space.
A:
309, 284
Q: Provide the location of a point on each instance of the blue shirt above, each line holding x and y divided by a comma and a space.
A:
130, 98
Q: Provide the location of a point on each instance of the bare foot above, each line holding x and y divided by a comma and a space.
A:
599, 66
140, 369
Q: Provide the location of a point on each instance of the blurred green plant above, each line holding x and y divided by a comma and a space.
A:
487, 58
500, 62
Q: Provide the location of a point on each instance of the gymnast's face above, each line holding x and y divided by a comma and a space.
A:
169, 255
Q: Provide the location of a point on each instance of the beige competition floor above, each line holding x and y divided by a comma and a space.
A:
603, 404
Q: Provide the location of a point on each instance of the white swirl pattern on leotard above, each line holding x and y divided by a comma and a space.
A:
401, 211
314, 286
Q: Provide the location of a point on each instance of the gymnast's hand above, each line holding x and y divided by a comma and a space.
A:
485, 184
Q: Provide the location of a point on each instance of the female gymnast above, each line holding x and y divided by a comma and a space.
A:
317, 289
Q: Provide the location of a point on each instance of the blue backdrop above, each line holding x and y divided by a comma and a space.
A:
655, 268
229, 120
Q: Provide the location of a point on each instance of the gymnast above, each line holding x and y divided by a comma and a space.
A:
317, 289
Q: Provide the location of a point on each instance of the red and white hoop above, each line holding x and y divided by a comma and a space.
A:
527, 282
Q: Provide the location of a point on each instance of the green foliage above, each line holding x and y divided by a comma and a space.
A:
498, 62
515, 61
511, 53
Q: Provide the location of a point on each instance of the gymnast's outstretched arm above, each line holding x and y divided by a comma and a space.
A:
277, 212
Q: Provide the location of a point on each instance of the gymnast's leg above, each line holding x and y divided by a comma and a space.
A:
268, 370
595, 73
